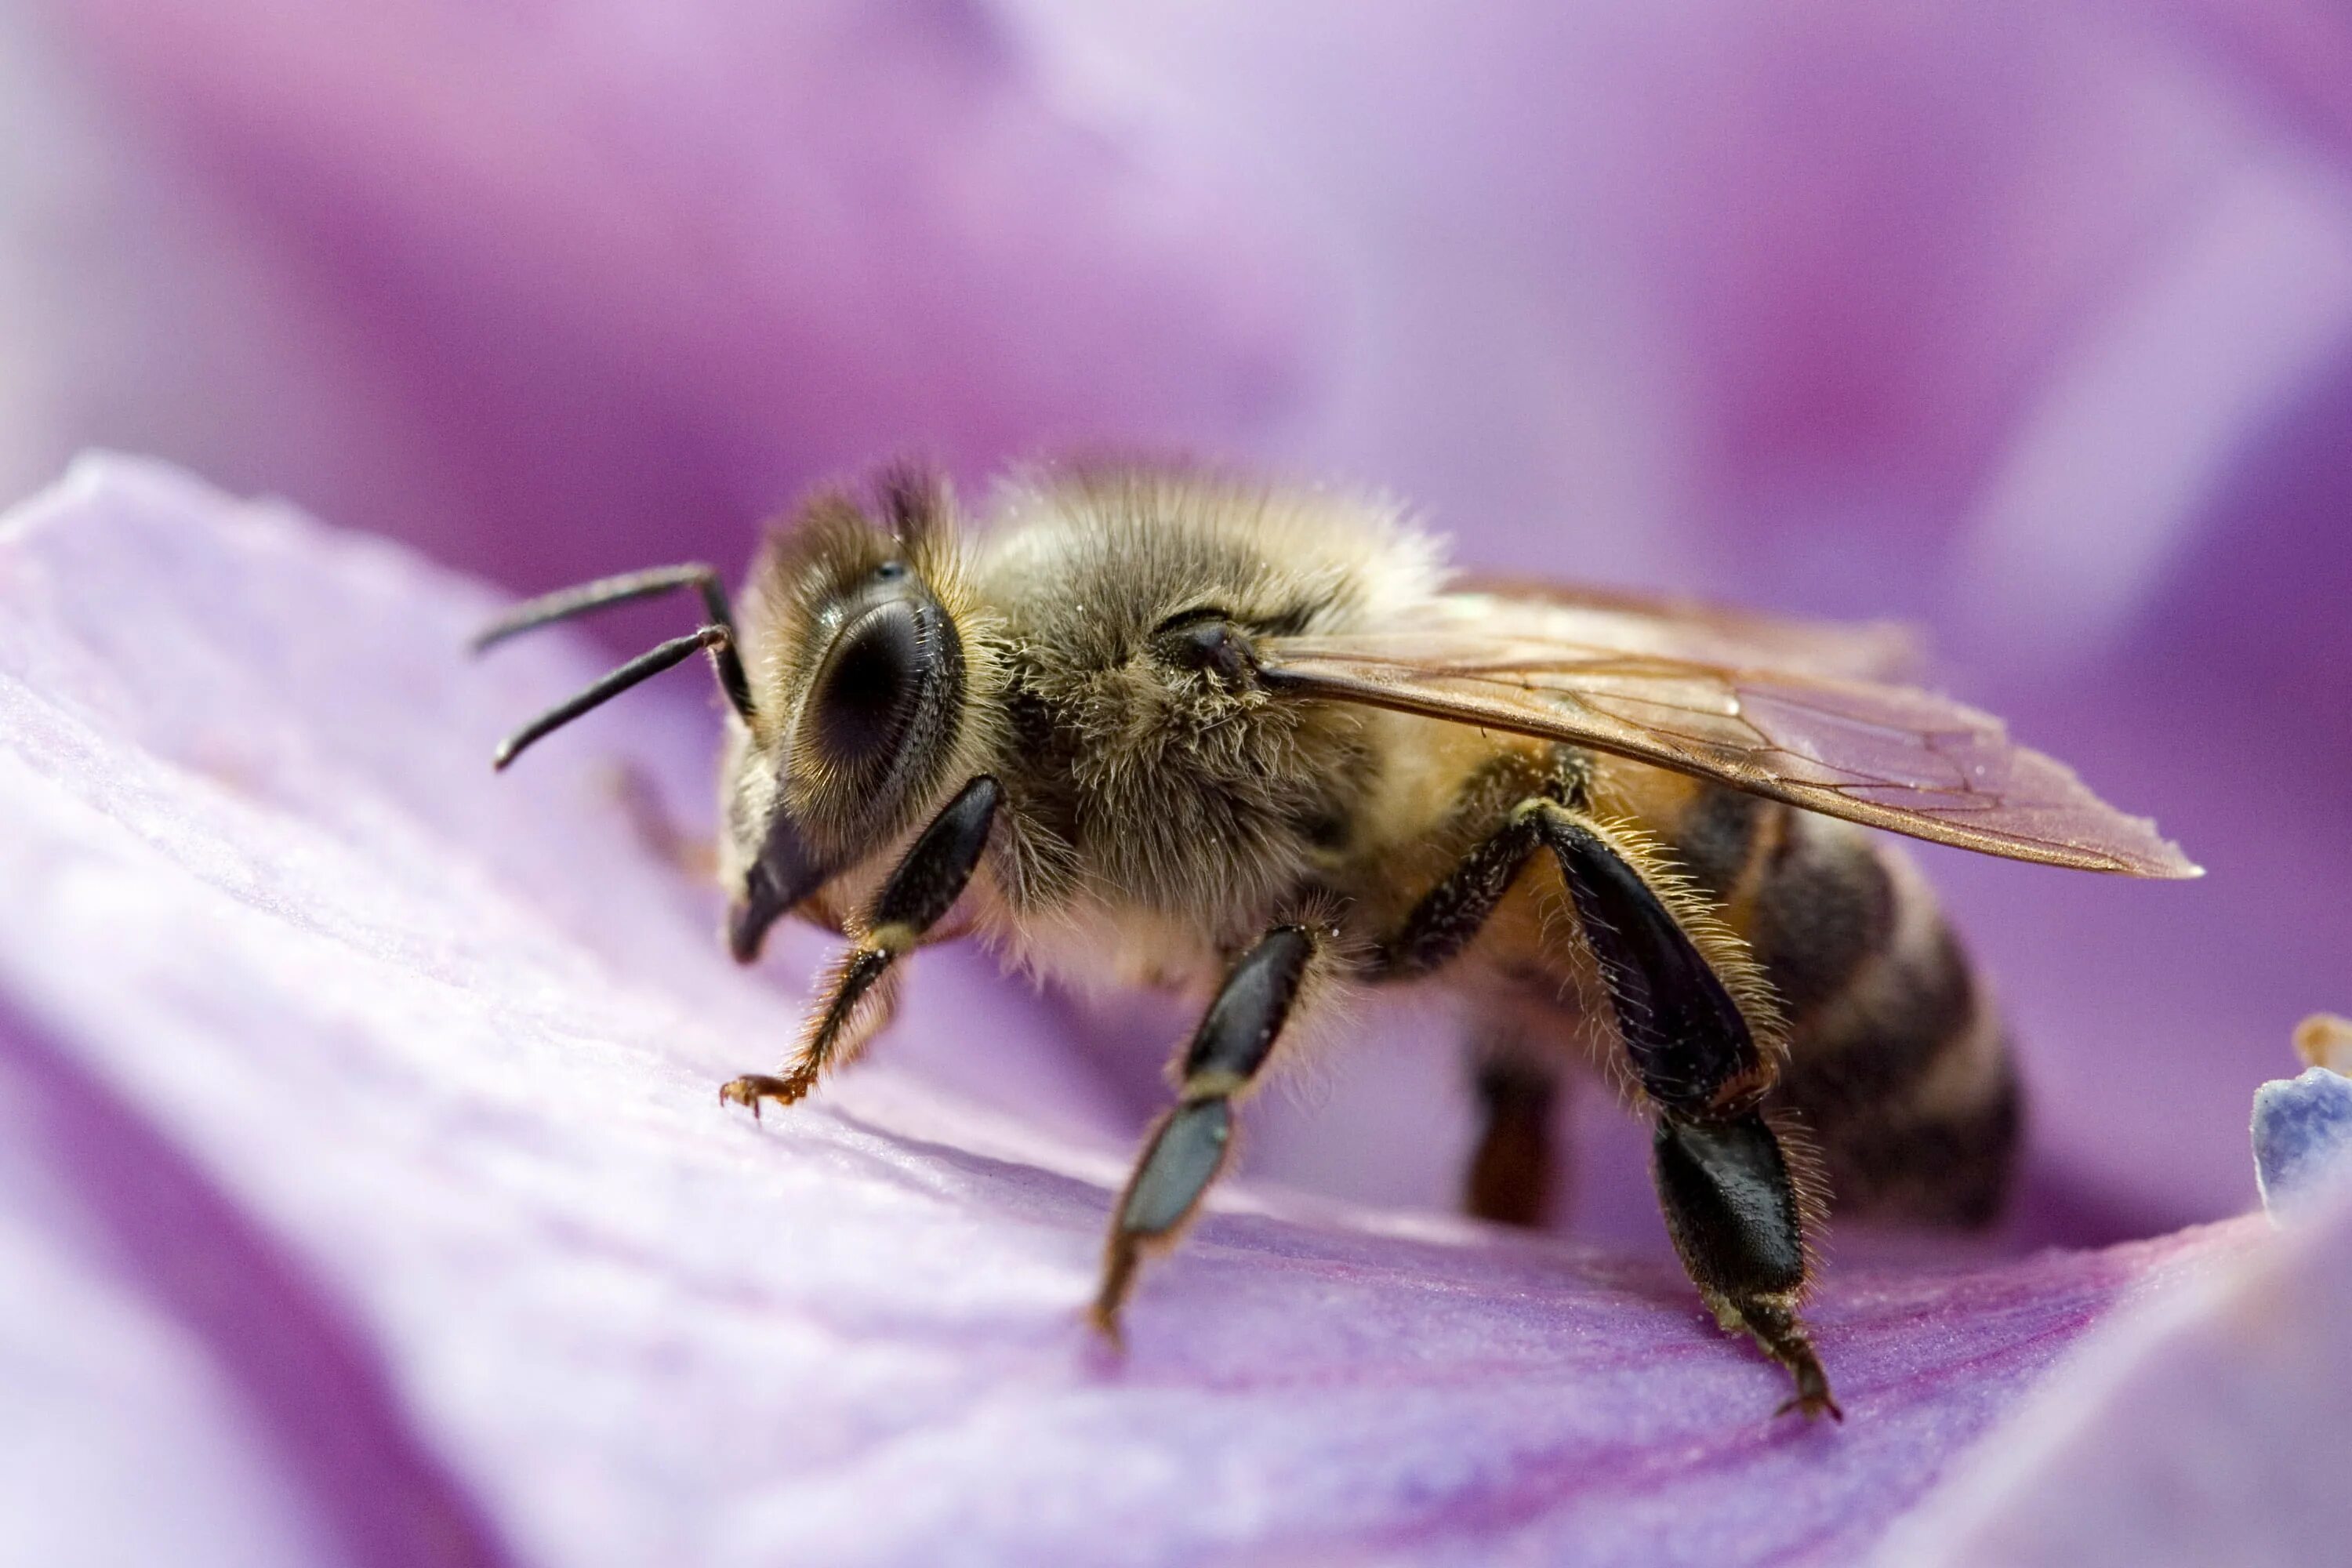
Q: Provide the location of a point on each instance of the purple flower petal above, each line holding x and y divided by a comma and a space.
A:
2207, 1428
419, 1064
2033, 320
533, 288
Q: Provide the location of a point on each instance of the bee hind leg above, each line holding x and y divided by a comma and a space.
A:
1187, 1148
1512, 1168
1733, 1204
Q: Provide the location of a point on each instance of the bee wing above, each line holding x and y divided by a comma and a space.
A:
1886, 755
1687, 628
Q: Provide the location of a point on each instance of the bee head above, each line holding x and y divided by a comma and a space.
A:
858, 679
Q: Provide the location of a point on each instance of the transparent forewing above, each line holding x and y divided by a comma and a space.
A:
1680, 628
1889, 757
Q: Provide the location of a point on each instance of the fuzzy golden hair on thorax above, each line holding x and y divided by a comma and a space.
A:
1145, 763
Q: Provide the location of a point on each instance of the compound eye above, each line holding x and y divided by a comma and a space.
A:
867, 690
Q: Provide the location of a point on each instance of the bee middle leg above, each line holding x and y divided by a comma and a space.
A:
1186, 1149
918, 894
1733, 1204
656, 829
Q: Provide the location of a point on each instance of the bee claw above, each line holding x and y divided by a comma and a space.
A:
1105, 1322
753, 1088
1811, 1403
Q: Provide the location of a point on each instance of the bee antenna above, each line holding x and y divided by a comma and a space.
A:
718, 640
565, 604
910, 499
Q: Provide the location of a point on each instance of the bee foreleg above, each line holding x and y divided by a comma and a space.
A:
921, 890
1187, 1147
1723, 1177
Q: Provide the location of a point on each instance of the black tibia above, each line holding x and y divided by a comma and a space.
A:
565, 604
1232, 1040
1186, 1149
923, 887
1684, 1037
1732, 1208
1511, 1170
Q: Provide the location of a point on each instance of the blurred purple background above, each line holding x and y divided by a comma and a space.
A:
2031, 322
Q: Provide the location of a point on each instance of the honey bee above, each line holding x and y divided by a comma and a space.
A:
1165, 726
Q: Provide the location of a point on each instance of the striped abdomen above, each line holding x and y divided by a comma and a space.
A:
1898, 1064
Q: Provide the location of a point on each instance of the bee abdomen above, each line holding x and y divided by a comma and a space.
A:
1898, 1064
